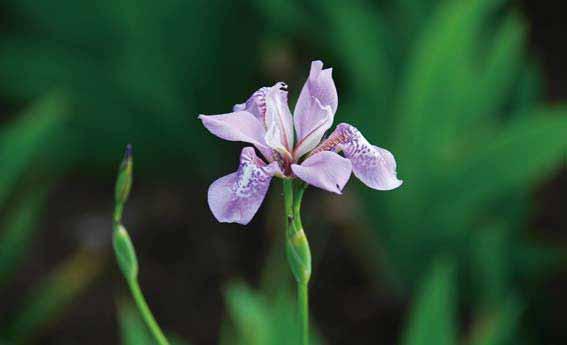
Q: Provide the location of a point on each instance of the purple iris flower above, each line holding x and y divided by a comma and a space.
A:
293, 147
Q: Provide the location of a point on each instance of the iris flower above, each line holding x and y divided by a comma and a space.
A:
293, 146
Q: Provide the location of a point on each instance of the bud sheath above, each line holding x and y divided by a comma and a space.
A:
125, 253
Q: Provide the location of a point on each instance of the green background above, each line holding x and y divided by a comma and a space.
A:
470, 250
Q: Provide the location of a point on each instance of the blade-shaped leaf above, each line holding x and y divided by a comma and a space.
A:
433, 312
17, 231
498, 327
133, 331
523, 152
24, 139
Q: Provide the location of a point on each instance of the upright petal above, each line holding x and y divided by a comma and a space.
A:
326, 170
235, 198
313, 138
374, 166
256, 105
315, 109
279, 123
238, 126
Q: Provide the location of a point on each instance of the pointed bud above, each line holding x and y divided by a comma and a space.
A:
125, 253
123, 182
299, 256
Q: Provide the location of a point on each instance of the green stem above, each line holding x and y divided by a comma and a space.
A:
303, 305
288, 204
146, 312
297, 205
299, 255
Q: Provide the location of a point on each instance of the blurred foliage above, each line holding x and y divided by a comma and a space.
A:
433, 317
133, 329
262, 318
461, 113
23, 143
447, 86
17, 232
53, 295
432, 320
131, 77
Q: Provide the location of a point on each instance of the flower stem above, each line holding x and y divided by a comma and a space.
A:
146, 312
124, 249
303, 305
288, 203
298, 252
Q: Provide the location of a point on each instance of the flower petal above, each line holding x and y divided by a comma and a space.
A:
316, 106
310, 140
238, 126
256, 105
235, 198
326, 170
374, 166
279, 123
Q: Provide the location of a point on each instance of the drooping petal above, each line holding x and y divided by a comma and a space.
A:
279, 135
236, 197
374, 166
326, 170
238, 126
315, 108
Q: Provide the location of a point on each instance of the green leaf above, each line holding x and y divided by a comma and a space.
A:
498, 327
258, 319
526, 150
355, 27
133, 331
440, 81
433, 313
25, 138
498, 73
490, 266
18, 230
51, 296
250, 314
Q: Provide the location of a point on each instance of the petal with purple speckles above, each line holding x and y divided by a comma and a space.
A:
374, 166
236, 197
326, 170
315, 108
238, 126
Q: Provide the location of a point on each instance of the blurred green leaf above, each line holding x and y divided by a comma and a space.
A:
497, 74
499, 327
259, 320
17, 231
490, 248
132, 329
250, 314
439, 83
54, 293
524, 151
433, 313
23, 140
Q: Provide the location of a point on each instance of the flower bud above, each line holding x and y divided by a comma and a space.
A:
124, 179
299, 256
125, 253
